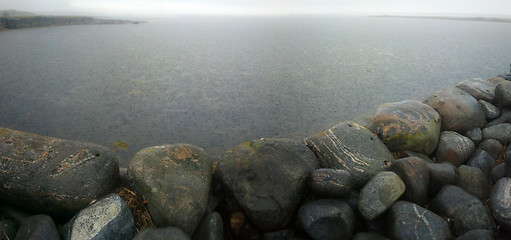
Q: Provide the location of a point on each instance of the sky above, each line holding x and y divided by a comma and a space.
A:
160, 8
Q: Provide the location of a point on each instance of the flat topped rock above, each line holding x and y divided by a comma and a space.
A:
52, 175
459, 111
407, 125
353, 148
479, 89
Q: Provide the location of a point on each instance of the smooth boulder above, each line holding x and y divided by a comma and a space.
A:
327, 219
441, 174
51, 175
267, 178
459, 111
503, 94
175, 180
490, 111
407, 125
500, 202
330, 183
473, 180
454, 148
353, 148
415, 174
478, 88
500, 132
38, 227
379, 194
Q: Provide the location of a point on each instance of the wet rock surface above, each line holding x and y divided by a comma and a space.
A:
327, 219
267, 178
454, 148
500, 202
459, 111
351, 147
175, 180
379, 194
330, 183
407, 125
51, 175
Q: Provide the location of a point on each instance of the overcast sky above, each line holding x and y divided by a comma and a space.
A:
173, 7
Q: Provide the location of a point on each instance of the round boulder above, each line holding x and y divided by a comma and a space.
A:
327, 219
407, 125
503, 94
500, 202
328, 182
379, 194
454, 148
175, 180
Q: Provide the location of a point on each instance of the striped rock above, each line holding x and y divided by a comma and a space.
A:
454, 148
350, 147
459, 111
407, 125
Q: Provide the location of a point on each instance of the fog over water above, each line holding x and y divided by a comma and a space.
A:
218, 81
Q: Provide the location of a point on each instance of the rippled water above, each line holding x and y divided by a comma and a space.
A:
218, 81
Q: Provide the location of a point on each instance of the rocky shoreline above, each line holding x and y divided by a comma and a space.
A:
46, 21
436, 169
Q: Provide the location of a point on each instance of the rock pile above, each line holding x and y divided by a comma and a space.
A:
437, 169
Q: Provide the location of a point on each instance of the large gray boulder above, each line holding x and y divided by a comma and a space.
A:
108, 218
379, 194
459, 111
175, 180
500, 132
407, 125
415, 174
327, 219
51, 175
267, 177
478, 88
353, 148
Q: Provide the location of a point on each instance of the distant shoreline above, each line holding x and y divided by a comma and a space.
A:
479, 19
7, 23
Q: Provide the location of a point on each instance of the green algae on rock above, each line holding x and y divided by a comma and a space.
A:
407, 125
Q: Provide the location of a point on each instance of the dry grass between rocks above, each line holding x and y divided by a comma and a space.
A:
138, 207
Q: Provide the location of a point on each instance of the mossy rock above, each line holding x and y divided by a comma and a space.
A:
407, 125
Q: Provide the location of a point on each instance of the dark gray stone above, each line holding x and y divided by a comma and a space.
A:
476, 135
368, 236
454, 148
441, 174
459, 111
507, 161
478, 234
285, 234
51, 175
108, 218
210, 228
490, 111
498, 172
478, 88
505, 117
424, 157
410, 221
175, 180
353, 148
168, 233
327, 219
501, 133
38, 227
466, 211
330, 183
415, 174
407, 125
473, 181
8, 228
379, 194
267, 178
482, 160
500, 202
492, 147
503, 94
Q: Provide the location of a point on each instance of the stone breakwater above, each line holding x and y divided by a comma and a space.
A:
432, 169
46, 21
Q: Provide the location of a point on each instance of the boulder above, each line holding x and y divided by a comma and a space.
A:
368, 236
8, 228
379, 194
454, 148
492, 147
175, 180
482, 160
475, 135
465, 210
407, 125
478, 234
503, 94
505, 117
285, 234
415, 175
441, 174
490, 111
459, 111
108, 218
51, 175
267, 178
353, 148
500, 202
423, 157
38, 227
473, 181
498, 172
330, 183
327, 219
496, 80
210, 228
170, 233
479, 89
500, 132
411, 221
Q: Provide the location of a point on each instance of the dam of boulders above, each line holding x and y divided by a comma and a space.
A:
439, 168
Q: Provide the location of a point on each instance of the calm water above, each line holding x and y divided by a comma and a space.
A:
218, 81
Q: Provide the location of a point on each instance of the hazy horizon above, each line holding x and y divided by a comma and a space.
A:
160, 8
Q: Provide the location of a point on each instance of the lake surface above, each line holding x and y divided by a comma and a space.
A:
216, 82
